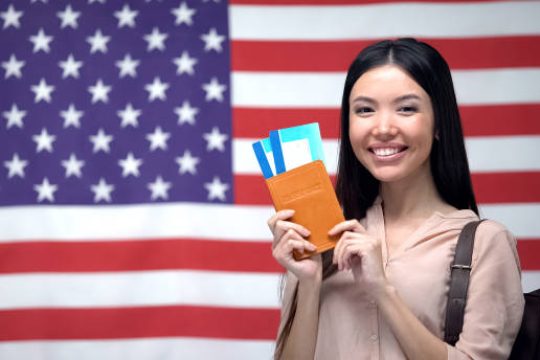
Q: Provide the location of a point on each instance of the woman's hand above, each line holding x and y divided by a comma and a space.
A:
360, 252
289, 236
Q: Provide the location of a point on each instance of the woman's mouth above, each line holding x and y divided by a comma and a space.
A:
388, 152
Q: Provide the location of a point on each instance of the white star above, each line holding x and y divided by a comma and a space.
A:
212, 40
129, 116
15, 166
128, 66
126, 16
215, 140
185, 64
183, 14
101, 141
216, 189
100, 92
159, 189
41, 1
72, 116
11, 17
13, 67
41, 41
156, 90
45, 190
187, 163
98, 42
69, 17
156, 40
70, 67
102, 191
214, 90
44, 141
158, 139
186, 113
42, 91
96, 1
73, 166
14, 116
130, 165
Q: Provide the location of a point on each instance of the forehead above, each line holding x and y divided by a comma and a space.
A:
386, 80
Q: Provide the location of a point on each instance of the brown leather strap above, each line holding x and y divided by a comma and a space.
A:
459, 283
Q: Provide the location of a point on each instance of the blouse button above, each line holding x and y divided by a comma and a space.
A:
374, 337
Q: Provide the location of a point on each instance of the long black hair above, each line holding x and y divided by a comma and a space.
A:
356, 188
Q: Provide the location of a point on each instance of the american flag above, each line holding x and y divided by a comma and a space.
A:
132, 210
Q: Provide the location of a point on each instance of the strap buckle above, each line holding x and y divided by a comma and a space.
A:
461, 267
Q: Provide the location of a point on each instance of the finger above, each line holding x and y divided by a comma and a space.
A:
280, 215
347, 225
281, 227
341, 244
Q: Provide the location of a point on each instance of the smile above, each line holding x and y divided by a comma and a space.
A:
388, 153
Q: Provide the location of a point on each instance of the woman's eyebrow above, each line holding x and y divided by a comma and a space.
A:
407, 97
363, 99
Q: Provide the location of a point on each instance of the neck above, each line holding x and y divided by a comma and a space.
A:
413, 197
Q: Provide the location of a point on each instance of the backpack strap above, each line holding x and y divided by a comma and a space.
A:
459, 282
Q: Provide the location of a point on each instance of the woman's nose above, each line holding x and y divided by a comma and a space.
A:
384, 126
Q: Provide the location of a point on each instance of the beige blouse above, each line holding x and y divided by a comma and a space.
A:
351, 327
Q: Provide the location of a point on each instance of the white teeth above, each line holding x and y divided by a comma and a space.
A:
385, 151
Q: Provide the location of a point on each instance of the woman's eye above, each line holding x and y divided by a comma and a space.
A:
407, 109
363, 110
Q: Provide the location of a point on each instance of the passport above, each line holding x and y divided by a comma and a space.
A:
307, 189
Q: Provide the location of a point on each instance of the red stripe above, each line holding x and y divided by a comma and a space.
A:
49, 256
470, 53
501, 120
511, 187
138, 322
529, 254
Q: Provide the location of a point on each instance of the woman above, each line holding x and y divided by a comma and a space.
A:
404, 184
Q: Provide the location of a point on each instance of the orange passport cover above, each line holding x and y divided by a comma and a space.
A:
308, 190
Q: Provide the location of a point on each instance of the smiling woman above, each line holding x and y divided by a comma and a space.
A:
404, 185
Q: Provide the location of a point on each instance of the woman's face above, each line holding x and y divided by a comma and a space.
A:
391, 124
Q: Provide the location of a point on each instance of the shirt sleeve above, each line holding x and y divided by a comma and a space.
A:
495, 298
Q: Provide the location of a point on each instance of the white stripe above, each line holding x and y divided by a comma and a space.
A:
137, 349
486, 154
202, 288
530, 280
383, 21
324, 90
83, 224
131, 222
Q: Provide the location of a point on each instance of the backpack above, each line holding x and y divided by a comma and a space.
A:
527, 344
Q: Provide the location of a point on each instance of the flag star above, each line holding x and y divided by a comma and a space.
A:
45, 190
98, 42
186, 113
73, 166
102, 191
98, 1
158, 139
187, 163
101, 141
100, 92
72, 116
212, 40
185, 64
41, 1
44, 141
216, 189
14, 116
156, 90
183, 14
128, 66
70, 67
159, 188
42, 91
13, 67
11, 17
130, 165
156, 40
15, 166
69, 17
214, 90
41, 41
215, 140
126, 16
129, 116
